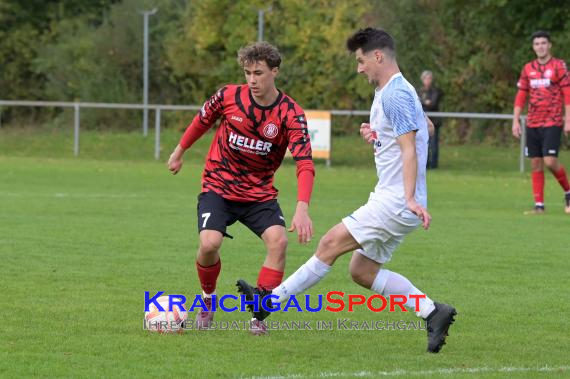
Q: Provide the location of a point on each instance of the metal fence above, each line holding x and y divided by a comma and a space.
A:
160, 108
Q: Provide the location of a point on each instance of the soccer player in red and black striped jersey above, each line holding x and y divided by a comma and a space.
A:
547, 81
258, 124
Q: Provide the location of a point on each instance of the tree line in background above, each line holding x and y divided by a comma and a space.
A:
91, 50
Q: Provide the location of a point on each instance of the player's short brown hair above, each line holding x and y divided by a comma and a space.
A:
371, 39
257, 52
540, 34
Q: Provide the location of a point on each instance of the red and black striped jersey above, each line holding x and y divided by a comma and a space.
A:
545, 84
250, 143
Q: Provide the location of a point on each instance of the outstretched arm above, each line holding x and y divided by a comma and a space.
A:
204, 120
407, 144
194, 131
301, 221
400, 110
300, 148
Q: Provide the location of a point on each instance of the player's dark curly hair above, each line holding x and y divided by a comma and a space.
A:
257, 52
540, 34
371, 39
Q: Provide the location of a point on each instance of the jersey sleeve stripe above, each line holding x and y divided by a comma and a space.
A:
399, 107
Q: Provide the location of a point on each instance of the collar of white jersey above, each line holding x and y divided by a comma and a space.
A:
396, 75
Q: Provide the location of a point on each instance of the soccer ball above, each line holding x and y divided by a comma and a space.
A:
164, 322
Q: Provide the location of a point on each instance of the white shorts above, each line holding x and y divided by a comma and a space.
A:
378, 230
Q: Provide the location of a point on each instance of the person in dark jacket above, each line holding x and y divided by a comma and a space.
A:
430, 97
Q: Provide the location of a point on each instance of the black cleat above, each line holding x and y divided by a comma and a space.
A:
567, 203
438, 323
537, 210
249, 291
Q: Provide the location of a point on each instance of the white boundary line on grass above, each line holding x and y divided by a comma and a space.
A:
441, 371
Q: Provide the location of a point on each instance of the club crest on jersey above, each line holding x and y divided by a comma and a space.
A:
270, 130
548, 73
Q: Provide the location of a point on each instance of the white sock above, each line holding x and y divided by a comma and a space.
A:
205, 295
391, 283
304, 278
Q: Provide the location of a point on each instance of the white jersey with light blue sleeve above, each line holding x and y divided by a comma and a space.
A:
397, 110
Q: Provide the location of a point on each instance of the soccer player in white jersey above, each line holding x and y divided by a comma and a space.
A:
399, 132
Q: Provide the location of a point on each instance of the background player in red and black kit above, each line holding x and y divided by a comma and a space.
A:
258, 124
548, 83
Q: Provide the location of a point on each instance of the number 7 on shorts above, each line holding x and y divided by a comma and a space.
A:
206, 216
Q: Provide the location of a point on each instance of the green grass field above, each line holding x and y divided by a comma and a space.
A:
81, 239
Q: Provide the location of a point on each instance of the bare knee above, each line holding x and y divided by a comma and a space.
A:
363, 270
551, 163
359, 277
536, 164
335, 243
280, 244
326, 243
363, 274
275, 240
277, 247
210, 246
328, 248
